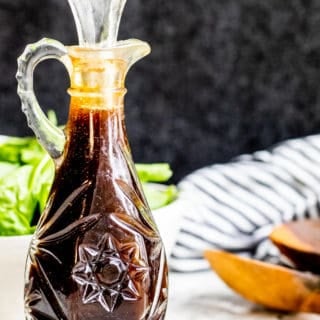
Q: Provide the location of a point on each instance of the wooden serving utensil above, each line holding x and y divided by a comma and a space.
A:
271, 285
299, 241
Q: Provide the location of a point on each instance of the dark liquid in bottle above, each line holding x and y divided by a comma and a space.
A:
96, 253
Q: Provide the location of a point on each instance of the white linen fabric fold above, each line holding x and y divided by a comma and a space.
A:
234, 206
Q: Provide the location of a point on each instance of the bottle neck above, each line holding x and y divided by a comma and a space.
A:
97, 85
94, 74
97, 89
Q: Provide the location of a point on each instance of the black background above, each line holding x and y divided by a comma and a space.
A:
225, 76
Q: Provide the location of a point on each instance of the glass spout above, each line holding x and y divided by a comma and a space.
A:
97, 21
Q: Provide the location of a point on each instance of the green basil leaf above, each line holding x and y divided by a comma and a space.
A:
155, 172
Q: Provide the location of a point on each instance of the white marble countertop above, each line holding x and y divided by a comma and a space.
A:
203, 296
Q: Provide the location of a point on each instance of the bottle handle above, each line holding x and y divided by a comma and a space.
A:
50, 136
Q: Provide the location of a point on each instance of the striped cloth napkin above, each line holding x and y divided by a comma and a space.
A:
234, 206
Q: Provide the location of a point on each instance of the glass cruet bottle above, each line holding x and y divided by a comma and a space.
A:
96, 253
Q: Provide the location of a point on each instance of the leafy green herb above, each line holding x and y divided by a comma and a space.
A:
26, 175
6, 168
156, 172
20, 150
159, 196
17, 204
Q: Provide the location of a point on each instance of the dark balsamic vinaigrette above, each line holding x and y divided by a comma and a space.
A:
96, 253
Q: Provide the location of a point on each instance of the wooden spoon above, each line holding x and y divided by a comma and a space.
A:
273, 286
300, 242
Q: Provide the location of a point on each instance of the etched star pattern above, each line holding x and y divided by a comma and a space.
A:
104, 275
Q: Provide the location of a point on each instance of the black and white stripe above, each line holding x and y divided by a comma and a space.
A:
234, 206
